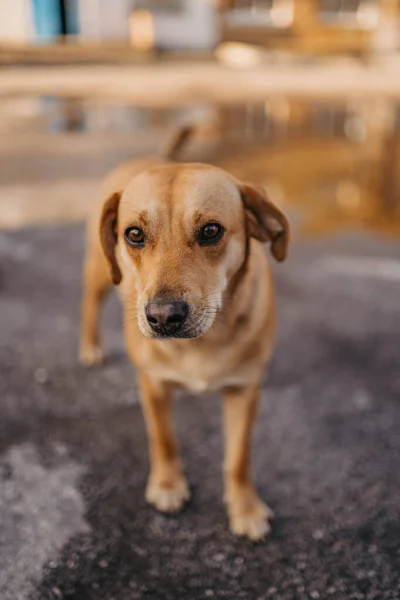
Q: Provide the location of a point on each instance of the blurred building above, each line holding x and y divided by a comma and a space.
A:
16, 21
322, 26
165, 24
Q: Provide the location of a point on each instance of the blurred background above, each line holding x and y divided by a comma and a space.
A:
302, 97
299, 95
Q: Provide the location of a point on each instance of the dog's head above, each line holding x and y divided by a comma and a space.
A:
181, 234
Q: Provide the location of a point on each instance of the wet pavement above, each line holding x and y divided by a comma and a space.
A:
73, 462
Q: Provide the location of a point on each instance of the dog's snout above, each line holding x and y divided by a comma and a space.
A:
166, 317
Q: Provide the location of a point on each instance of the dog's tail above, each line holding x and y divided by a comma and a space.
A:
178, 139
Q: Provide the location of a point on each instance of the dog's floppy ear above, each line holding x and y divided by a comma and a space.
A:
265, 221
108, 235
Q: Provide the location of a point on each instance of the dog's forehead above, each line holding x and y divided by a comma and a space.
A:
148, 185
187, 188
207, 189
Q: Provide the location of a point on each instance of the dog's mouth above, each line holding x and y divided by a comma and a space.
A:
165, 335
174, 320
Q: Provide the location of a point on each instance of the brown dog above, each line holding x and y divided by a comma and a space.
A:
184, 244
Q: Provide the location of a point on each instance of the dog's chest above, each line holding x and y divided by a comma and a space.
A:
199, 374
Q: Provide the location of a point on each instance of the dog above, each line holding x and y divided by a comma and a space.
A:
184, 244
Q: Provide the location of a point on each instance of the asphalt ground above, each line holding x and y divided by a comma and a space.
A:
73, 520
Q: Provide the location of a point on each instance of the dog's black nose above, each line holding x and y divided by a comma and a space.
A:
166, 317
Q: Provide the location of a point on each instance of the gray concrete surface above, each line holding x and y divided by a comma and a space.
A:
73, 458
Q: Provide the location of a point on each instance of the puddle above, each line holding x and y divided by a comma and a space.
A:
336, 162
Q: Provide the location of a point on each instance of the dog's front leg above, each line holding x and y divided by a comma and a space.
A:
167, 488
248, 515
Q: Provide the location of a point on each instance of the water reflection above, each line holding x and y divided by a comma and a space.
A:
338, 162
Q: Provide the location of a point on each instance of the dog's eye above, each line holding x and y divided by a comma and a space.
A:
210, 233
135, 236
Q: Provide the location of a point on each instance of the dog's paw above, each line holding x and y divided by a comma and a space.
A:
89, 356
168, 497
249, 516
